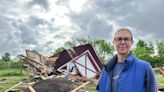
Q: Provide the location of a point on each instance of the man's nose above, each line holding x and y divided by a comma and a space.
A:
122, 41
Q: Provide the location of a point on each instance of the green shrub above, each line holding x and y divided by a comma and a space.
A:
4, 65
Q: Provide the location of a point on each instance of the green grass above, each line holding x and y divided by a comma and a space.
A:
9, 82
161, 79
91, 87
12, 72
4, 87
10, 77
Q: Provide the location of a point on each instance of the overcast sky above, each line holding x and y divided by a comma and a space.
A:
44, 25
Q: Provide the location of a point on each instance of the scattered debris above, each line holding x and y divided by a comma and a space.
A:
161, 69
53, 85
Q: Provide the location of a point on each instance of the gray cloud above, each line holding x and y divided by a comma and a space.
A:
111, 9
149, 19
81, 19
59, 36
4, 24
35, 21
18, 32
22, 28
47, 48
98, 28
62, 2
144, 16
8, 38
42, 3
27, 34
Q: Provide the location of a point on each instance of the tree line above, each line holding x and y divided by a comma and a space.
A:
153, 53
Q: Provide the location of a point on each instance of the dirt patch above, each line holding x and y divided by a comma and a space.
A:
53, 85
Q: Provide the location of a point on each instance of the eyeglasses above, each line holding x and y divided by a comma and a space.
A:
120, 39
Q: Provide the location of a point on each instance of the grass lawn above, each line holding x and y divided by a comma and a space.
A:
12, 72
7, 82
4, 87
10, 77
91, 87
161, 79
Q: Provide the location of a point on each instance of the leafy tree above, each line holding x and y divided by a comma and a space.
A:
160, 47
160, 50
6, 57
104, 49
144, 51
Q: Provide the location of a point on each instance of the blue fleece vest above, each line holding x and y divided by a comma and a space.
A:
132, 78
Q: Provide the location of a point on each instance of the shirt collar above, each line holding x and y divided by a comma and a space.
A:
112, 62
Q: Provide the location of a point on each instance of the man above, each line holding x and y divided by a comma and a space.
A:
124, 72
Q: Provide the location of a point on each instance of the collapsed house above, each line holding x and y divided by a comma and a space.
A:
81, 62
84, 58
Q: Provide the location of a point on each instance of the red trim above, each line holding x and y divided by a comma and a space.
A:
92, 62
85, 64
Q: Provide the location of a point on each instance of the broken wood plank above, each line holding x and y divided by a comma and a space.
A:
160, 86
31, 89
13, 87
161, 70
84, 84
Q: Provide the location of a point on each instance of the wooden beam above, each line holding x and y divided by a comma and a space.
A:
32, 60
50, 59
161, 70
31, 89
160, 86
84, 84
13, 86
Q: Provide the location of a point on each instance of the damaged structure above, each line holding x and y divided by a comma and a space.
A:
82, 60
80, 63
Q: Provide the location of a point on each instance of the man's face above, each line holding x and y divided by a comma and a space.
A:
123, 42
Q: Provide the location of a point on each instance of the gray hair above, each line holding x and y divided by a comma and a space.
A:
125, 29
